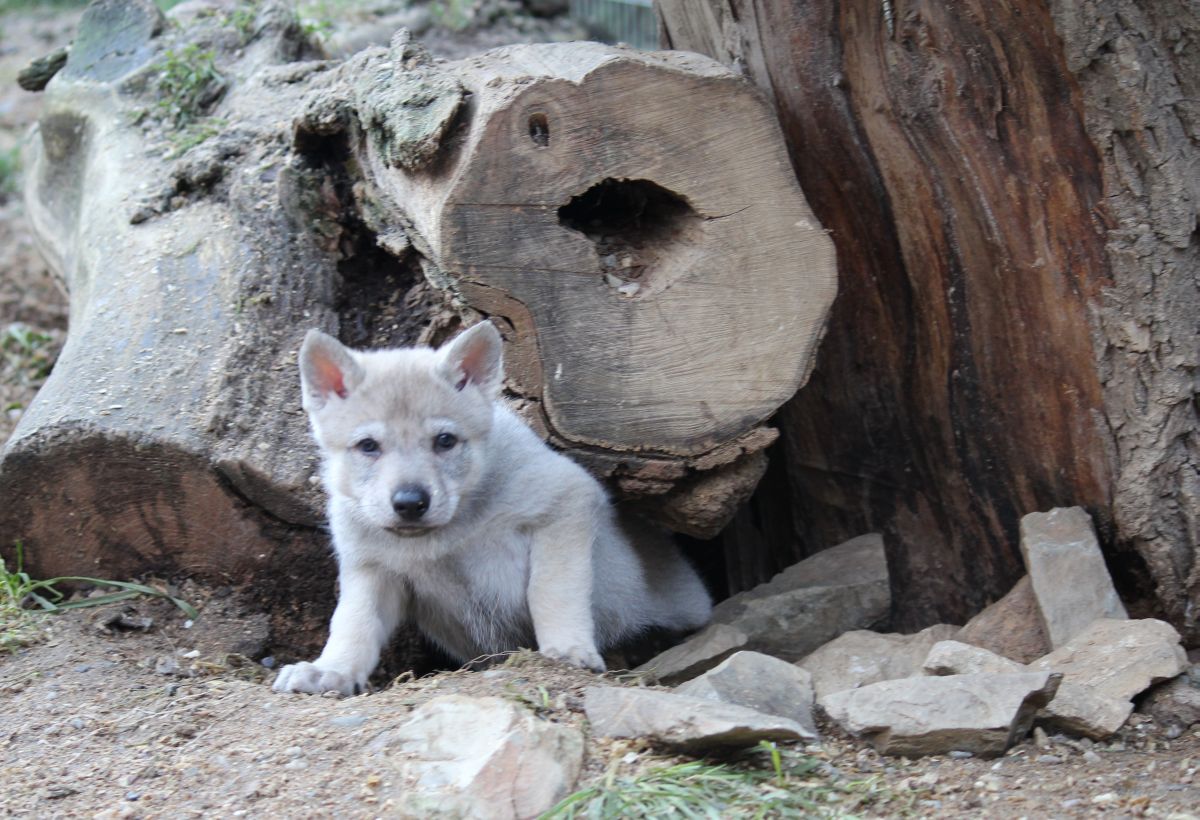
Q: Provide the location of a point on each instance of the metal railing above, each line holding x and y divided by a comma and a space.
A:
618, 21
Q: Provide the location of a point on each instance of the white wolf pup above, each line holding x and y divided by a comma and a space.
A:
447, 510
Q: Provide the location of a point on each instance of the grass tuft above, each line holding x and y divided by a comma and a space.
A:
10, 172
188, 82
26, 355
20, 625
771, 782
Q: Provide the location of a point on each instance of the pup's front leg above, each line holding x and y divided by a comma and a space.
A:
560, 586
370, 604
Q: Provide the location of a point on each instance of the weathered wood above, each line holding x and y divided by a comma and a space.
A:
355, 198
993, 350
631, 215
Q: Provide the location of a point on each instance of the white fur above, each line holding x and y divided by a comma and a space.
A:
519, 544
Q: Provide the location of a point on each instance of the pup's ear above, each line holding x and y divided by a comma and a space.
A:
475, 357
327, 369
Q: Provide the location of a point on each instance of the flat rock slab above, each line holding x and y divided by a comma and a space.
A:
861, 657
983, 714
801, 608
758, 682
1119, 658
689, 724
958, 658
1011, 627
1071, 582
699, 653
459, 756
1080, 710
1076, 709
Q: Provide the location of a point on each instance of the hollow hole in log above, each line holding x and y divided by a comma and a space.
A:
383, 300
539, 129
640, 230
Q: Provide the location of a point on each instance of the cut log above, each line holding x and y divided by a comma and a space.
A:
629, 221
632, 216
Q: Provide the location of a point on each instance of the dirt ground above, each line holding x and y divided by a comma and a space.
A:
114, 715
175, 719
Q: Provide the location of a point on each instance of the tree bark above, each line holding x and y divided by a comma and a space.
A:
1014, 215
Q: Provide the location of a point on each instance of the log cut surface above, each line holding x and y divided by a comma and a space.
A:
635, 218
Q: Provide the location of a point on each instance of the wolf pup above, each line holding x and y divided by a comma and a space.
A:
448, 511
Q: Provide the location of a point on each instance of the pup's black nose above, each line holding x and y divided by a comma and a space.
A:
410, 502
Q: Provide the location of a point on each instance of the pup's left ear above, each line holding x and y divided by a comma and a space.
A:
475, 357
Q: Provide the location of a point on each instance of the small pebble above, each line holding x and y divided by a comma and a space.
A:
1173, 731
268, 661
1091, 757
1072, 803
132, 795
293, 751
1102, 799
194, 653
1051, 759
958, 754
84, 667
77, 723
348, 721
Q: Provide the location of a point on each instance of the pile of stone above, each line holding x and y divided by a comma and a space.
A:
1059, 650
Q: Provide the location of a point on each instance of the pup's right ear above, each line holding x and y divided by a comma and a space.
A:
327, 369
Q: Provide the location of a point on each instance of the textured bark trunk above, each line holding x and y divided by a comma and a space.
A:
1014, 215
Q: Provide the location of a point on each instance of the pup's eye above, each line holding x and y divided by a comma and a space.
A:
444, 441
367, 446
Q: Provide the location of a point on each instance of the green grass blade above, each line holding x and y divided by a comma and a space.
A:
135, 589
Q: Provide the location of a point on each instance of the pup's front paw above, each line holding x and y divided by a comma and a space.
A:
316, 680
585, 657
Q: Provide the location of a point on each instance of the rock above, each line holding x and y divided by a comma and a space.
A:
801, 608
1175, 703
167, 665
460, 756
1071, 582
689, 724
701, 652
983, 714
861, 657
1076, 708
1119, 659
758, 682
1011, 627
41, 71
113, 39
1080, 710
957, 658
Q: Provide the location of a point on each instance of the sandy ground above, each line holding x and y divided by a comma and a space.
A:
177, 718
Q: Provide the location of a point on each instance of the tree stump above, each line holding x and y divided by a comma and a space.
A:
1011, 188
630, 222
